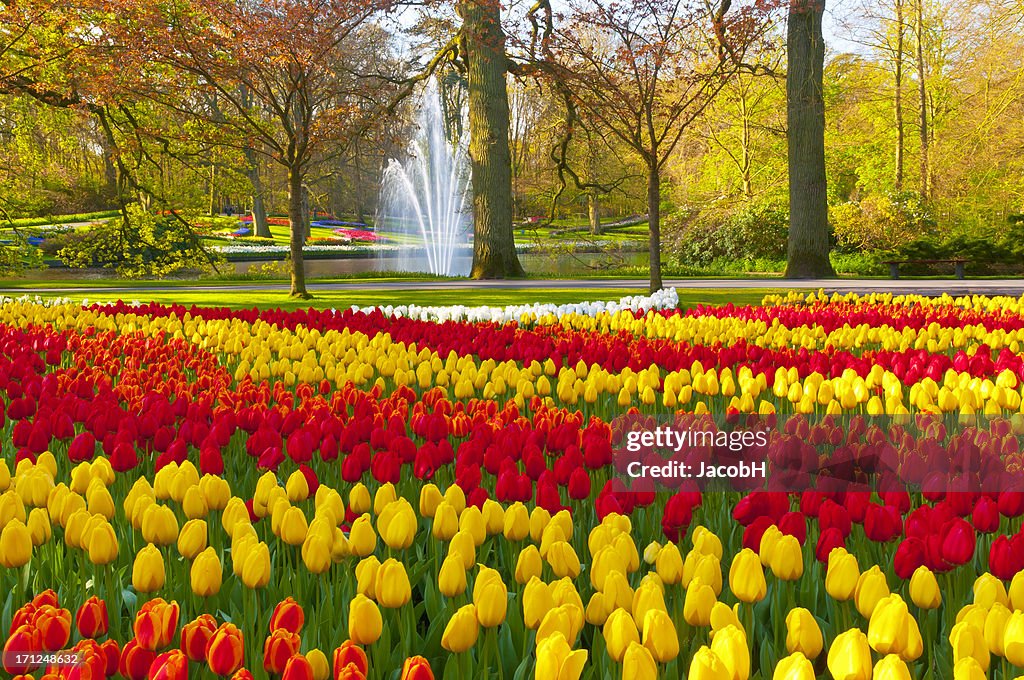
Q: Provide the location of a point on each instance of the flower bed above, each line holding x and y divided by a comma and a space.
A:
420, 492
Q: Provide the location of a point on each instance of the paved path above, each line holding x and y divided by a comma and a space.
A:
1014, 287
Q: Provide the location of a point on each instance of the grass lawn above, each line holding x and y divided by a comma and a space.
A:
270, 298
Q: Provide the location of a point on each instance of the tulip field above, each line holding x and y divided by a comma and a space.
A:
413, 493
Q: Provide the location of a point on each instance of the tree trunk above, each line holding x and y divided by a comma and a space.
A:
213, 190
594, 211
297, 231
808, 253
494, 252
654, 221
899, 95
922, 91
259, 209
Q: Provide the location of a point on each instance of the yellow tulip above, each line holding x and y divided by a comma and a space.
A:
392, 587
891, 667
385, 495
206, 573
490, 597
746, 577
1013, 639
361, 539
849, 657
192, 539
148, 570
528, 565
924, 589
256, 567
803, 634
787, 559
451, 579
364, 620
462, 630
397, 525
619, 633
730, 645
15, 545
659, 636
968, 668
700, 599
706, 665
446, 522
557, 661
796, 666
102, 544
842, 575
537, 602
297, 487
563, 560
638, 663
359, 499
871, 588
893, 630
516, 522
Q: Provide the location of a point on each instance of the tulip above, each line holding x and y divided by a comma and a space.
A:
206, 573
359, 499
256, 567
397, 525
842, 575
195, 635
528, 565
297, 668
148, 570
156, 623
564, 619
366, 576
730, 645
39, 526
159, 525
638, 664
871, 588
537, 602
15, 545
563, 560
242, 674
462, 630
893, 630
91, 618
192, 539
796, 666
53, 626
989, 590
393, 589
102, 544
706, 665
517, 522
293, 526
361, 539
891, 667
924, 589
316, 553
786, 559
619, 632
364, 621
172, 665
659, 636
225, 650
700, 599
430, 498
968, 668
556, 659
288, 614
803, 634
722, 616
451, 580
135, 660
995, 628
490, 596
280, 646
349, 653
1013, 639
849, 656
746, 577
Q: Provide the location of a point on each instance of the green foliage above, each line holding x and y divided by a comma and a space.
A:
882, 223
62, 219
17, 255
757, 231
141, 245
990, 252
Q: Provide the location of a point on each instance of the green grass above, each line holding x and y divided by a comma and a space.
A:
269, 298
58, 219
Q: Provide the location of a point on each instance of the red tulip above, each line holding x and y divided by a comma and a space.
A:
985, 516
828, 540
53, 626
910, 554
22, 641
958, 542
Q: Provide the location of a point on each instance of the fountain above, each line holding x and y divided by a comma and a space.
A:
424, 214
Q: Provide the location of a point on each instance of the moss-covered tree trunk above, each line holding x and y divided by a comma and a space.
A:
494, 252
297, 229
809, 241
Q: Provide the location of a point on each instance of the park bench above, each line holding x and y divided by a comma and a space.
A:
894, 266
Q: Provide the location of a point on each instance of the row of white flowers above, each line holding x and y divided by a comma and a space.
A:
243, 248
666, 298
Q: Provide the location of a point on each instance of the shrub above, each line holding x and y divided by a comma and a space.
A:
757, 231
882, 223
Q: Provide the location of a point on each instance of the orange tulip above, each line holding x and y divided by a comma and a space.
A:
91, 619
349, 654
53, 626
156, 623
288, 614
135, 660
195, 635
225, 650
242, 674
349, 672
172, 665
280, 646
417, 668
297, 668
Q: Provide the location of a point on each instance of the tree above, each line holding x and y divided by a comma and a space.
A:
494, 252
809, 239
275, 69
644, 71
